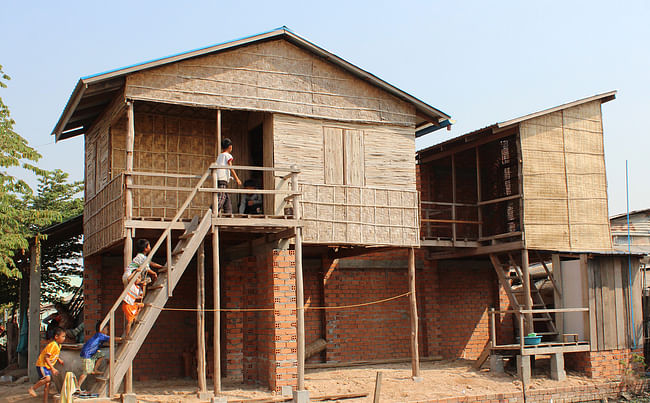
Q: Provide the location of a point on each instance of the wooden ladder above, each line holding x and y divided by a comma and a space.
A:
515, 296
156, 296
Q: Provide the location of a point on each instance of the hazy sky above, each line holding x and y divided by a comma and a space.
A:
479, 61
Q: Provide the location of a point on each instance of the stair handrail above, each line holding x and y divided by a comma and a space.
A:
110, 316
159, 242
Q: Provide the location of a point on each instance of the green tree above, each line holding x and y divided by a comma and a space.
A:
60, 258
15, 192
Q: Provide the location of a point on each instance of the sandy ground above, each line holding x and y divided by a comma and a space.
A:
439, 379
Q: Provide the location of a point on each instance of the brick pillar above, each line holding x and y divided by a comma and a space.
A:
283, 362
505, 326
250, 321
233, 290
92, 293
428, 289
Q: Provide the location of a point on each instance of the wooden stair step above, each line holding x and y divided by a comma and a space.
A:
155, 287
178, 252
542, 319
187, 235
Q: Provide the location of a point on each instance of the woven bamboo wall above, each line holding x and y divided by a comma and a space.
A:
564, 183
104, 217
274, 76
166, 144
382, 211
339, 214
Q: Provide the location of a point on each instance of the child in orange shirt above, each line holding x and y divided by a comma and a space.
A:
45, 363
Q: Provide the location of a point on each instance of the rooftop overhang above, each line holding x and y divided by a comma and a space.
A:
92, 94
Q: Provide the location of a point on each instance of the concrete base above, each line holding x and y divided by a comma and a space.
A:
417, 379
523, 368
300, 396
129, 398
496, 364
557, 367
205, 396
218, 399
287, 391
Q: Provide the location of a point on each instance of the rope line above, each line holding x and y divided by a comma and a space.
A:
381, 301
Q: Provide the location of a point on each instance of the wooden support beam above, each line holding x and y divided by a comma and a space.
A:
128, 256
478, 193
300, 294
200, 319
34, 336
415, 355
528, 303
453, 197
216, 372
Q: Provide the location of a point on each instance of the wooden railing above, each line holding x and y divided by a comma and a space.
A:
520, 314
292, 195
448, 220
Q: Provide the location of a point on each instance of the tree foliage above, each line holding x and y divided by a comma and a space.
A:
24, 215
14, 192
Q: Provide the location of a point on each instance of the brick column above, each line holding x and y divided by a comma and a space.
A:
92, 293
283, 362
233, 291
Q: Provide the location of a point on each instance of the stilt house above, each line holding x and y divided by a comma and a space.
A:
526, 199
316, 135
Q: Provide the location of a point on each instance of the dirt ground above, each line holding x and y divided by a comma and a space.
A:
439, 380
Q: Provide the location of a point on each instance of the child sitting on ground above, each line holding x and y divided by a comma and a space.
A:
91, 355
45, 363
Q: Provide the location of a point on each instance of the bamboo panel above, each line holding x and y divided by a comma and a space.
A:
273, 76
590, 110
338, 214
585, 164
587, 185
590, 237
550, 185
536, 137
542, 163
384, 166
578, 141
584, 211
103, 217
545, 236
545, 211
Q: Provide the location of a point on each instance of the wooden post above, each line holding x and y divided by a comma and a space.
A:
415, 355
478, 195
200, 319
111, 355
375, 397
216, 372
34, 335
453, 197
128, 256
493, 329
528, 304
128, 204
300, 295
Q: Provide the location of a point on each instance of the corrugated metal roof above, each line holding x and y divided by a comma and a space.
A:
73, 122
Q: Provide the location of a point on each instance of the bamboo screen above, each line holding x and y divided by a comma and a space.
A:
168, 145
564, 183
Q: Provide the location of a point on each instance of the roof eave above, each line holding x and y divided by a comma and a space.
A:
604, 97
70, 106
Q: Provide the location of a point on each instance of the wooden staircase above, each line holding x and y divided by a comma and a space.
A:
156, 296
510, 274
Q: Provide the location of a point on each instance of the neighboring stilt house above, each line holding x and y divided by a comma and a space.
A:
532, 191
329, 146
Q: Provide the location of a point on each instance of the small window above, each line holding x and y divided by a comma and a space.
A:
344, 156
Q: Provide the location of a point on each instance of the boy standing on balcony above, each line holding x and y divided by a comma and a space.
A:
224, 175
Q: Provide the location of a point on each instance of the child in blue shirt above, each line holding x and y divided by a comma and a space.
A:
91, 355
